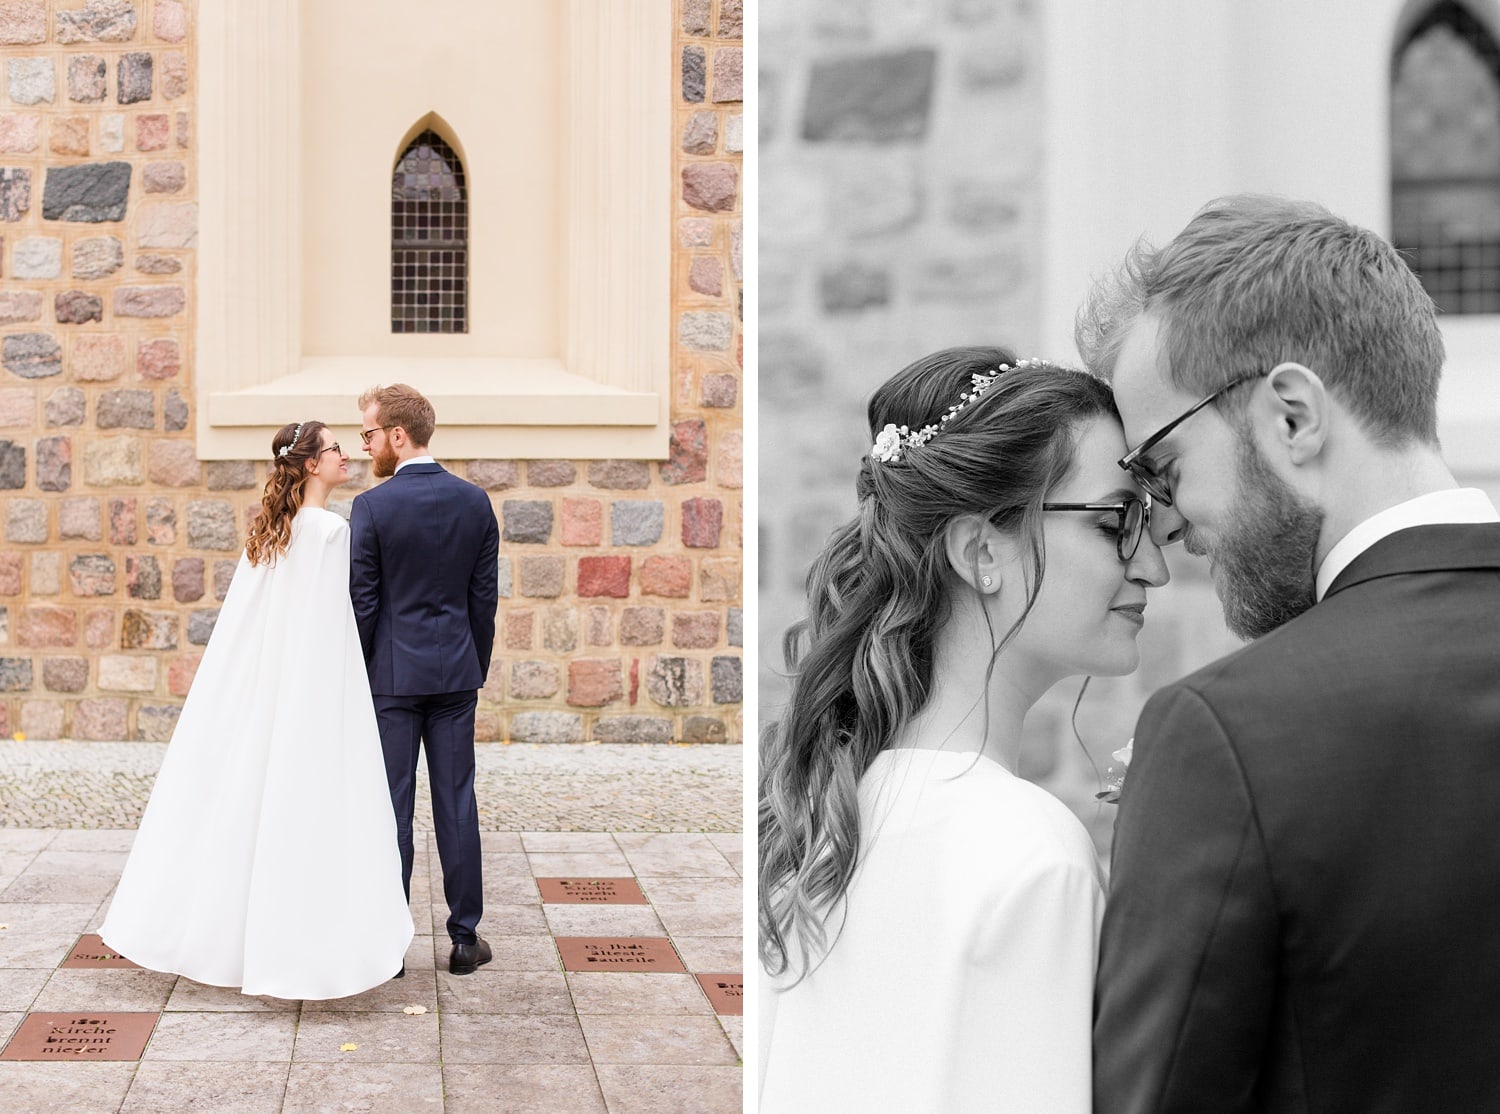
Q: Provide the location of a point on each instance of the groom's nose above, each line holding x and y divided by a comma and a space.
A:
1167, 524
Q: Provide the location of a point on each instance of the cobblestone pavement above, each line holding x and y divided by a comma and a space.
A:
520, 787
521, 1033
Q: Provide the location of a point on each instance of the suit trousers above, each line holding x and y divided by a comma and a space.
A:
445, 724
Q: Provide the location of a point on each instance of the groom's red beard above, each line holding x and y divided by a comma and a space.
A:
1263, 563
384, 460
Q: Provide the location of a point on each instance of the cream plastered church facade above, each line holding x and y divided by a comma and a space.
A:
206, 231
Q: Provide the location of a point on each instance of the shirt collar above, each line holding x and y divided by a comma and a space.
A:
415, 460
1456, 505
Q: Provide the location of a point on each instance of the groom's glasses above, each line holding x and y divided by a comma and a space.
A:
1144, 470
366, 434
1135, 517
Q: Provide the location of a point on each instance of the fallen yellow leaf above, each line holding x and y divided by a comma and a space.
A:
414, 1009
347, 1047
19, 736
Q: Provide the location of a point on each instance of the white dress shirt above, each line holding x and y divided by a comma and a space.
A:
1456, 505
415, 460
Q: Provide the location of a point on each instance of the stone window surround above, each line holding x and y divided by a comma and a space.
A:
607, 395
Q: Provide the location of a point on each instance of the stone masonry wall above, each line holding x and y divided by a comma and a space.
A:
620, 614
901, 148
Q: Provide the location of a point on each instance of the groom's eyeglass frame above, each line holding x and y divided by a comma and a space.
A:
1143, 471
1135, 519
366, 434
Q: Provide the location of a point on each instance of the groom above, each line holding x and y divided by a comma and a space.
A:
1305, 899
424, 578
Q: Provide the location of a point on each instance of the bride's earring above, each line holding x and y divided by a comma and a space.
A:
988, 582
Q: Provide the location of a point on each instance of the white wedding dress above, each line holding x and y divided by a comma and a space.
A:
963, 977
266, 858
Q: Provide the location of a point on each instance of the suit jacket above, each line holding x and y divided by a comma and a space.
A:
1305, 905
424, 577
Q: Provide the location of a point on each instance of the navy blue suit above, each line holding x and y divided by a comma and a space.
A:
423, 574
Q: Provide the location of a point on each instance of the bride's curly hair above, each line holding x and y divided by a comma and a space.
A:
861, 660
291, 449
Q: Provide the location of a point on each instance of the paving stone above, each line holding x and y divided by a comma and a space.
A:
245, 1088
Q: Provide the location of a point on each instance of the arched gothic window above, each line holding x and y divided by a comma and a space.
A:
1445, 157
429, 239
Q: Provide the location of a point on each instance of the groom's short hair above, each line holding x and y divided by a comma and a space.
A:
1254, 281
403, 406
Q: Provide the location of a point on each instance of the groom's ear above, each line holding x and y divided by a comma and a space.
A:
976, 549
1300, 409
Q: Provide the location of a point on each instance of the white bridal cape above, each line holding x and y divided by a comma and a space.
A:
963, 978
266, 858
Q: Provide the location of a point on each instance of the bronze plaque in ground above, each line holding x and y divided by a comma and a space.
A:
591, 891
618, 953
90, 951
726, 992
81, 1036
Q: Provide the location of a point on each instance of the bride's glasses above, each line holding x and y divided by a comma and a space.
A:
333, 448
1134, 518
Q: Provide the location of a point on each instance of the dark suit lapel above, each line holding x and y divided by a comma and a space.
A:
1442, 548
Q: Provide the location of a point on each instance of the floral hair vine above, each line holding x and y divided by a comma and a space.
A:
895, 439
296, 433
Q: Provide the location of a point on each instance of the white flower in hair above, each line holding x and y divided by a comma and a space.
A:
894, 439
888, 443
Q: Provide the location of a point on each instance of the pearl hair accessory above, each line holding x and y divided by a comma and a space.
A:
296, 433
895, 439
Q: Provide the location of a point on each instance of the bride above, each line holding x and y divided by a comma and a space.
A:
266, 858
928, 920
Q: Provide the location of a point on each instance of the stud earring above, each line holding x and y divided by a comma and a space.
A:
986, 581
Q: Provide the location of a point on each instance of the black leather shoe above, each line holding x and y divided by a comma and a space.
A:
466, 957
401, 974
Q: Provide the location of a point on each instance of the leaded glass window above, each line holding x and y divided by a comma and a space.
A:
1445, 158
429, 239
